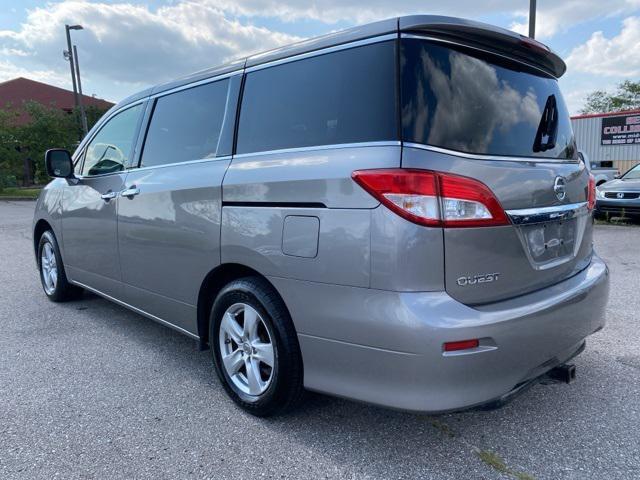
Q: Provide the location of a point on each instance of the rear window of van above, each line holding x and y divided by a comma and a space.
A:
464, 100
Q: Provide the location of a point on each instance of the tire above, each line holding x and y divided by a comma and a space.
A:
599, 215
257, 387
52, 275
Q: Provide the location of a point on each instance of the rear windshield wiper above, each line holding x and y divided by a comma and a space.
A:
548, 127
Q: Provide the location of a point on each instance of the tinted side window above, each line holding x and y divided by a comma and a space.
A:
186, 125
342, 97
110, 150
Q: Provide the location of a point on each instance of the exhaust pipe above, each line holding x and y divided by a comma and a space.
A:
563, 373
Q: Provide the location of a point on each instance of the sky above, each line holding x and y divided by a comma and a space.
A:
128, 45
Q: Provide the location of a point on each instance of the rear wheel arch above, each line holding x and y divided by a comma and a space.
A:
212, 284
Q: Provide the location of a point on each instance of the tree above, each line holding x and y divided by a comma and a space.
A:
9, 154
22, 146
626, 97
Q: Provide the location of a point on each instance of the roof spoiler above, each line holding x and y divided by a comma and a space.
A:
487, 37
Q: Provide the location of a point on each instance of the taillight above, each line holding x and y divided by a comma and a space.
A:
591, 194
433, 198
469, 203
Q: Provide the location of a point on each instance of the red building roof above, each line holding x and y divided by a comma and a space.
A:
19, 90
609, 114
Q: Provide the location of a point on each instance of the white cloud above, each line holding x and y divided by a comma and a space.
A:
331, 11
575, 90
616, 56
555, 17
133, 46
9, 70
126, 47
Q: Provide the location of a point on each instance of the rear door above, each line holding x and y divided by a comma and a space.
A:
504, 124
169, 224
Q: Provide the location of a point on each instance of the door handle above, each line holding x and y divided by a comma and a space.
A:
130, 192
109, 195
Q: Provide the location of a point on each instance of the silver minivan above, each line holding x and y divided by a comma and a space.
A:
395, 213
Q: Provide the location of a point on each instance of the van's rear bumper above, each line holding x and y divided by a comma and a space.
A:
386, 347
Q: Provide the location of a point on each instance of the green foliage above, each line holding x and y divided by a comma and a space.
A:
9, 156
626, 97
22, 146
30, 193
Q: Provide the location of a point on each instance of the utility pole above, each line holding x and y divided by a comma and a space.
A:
532, 18
75, 73
83, 114
69, 55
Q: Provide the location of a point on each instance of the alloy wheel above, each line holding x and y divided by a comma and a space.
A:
49, 268
246, 349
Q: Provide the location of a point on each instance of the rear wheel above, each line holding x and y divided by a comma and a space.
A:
52, 275
255, 348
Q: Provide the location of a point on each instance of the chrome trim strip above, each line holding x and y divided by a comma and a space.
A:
102, 175
174, 164
137, 310
527, 216
198, 83
477, 156
391, 143
472, 47
322, 51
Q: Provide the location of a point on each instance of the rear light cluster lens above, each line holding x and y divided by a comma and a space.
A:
591, 194
433, 198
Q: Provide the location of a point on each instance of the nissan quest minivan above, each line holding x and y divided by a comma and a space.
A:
395, 213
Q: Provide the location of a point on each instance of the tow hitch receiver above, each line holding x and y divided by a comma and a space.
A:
565, 373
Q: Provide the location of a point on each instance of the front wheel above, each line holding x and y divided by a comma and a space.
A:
52, 275
255, 347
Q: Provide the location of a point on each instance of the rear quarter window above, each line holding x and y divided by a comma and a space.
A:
341, 97
461, 99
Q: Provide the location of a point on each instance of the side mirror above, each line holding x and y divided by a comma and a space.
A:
58, 163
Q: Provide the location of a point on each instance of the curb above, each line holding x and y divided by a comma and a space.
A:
17, 199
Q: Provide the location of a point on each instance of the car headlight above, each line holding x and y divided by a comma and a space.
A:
599, 193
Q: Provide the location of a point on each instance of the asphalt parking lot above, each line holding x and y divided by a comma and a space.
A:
91, 390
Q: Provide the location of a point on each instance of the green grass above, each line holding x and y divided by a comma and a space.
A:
441, 426
13, 192
497, 463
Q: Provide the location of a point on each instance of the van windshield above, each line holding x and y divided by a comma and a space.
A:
462, 99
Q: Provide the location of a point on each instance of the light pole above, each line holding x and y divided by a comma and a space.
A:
532, 18
69, 55
83, 115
